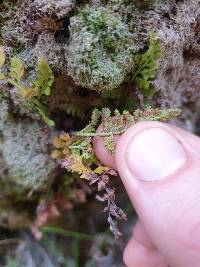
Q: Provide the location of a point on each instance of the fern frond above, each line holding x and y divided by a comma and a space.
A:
80, 144
42, 85
44, 116
78, 166
114, 94
147, 65
45, 78
80, 157
75, 110
91, 127
120, 122
41, 111
16, 69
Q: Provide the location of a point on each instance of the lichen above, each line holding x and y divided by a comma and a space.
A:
177, 81
27, 165
28, 19
27, 160
59, 9
100, 50
47, 47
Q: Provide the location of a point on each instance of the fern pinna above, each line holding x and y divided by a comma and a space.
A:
32, 94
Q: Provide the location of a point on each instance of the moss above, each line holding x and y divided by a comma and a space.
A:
26, 163
47, 47
27, 160
24, 21
20, 106
7, 8
26, 169
100, 50
27, 14
55, 8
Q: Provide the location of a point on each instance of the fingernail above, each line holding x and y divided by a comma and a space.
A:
154, 154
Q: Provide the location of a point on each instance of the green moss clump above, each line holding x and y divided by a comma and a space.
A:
28, 163
100, 50
25, 162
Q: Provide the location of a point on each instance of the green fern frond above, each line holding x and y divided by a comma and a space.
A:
16, 69
77, 152
45, 78
42, 112
114, 94
91, 127
147, 65
44, 116
42, 86
120, 122
83, 146
75, 110
119, 98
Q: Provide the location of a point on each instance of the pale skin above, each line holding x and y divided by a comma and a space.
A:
159, 165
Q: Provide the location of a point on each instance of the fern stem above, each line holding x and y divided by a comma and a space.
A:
100, 134
17, 85
159, 117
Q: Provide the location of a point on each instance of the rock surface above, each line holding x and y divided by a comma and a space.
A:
90, 46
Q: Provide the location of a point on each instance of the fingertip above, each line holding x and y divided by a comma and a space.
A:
136, 254
140, 234
159, 166
102, 154
164, 189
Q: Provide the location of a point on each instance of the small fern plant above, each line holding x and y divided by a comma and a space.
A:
146, 65
75, 151
40, 87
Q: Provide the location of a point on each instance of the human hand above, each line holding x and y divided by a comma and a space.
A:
159, 165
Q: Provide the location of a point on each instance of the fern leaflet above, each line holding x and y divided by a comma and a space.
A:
147, 65
75, 110
45, 78
16, 69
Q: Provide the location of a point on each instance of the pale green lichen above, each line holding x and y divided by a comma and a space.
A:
24, 155
47, 47
27, 159
100, 50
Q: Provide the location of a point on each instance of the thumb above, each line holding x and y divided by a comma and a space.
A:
160, 168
